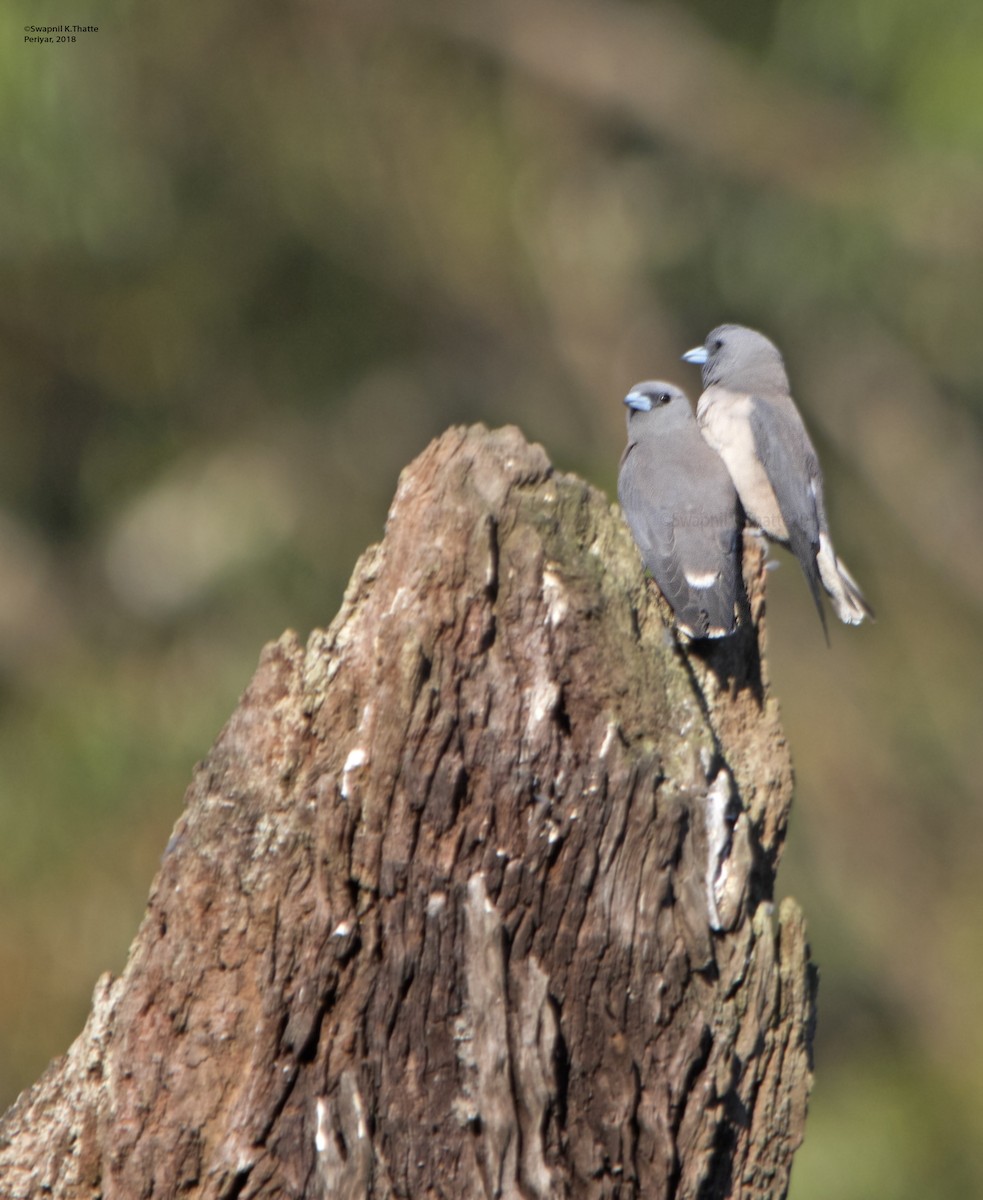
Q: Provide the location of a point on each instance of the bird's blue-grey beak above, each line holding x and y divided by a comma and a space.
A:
638, 401
697, 356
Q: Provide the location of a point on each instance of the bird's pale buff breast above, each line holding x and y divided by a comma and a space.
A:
725, 419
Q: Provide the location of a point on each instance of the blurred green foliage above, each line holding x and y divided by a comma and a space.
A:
253, 257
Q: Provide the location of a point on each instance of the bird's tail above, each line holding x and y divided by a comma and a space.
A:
805, 551
848, 599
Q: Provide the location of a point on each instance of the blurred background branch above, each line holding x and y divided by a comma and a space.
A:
252, 261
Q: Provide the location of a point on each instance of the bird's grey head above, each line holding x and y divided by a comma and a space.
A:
740, 359
655, 403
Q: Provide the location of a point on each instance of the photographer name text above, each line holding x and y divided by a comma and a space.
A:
56, 33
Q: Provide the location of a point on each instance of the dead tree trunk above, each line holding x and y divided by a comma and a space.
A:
471, 898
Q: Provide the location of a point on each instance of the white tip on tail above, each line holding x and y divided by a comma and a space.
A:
848, 600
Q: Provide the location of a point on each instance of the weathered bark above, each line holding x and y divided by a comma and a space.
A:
471, 898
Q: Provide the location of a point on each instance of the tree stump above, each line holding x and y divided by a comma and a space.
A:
471, 898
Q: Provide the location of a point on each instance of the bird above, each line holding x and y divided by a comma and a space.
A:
747, 414
682, 509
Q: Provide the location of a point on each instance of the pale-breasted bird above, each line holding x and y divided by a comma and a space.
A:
682, 509
747, 414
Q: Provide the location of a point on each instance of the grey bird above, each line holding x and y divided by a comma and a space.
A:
682, 510
747, 414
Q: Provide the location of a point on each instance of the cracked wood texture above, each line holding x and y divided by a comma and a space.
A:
471, 898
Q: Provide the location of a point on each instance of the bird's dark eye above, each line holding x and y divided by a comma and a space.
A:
718, 343
663, 398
